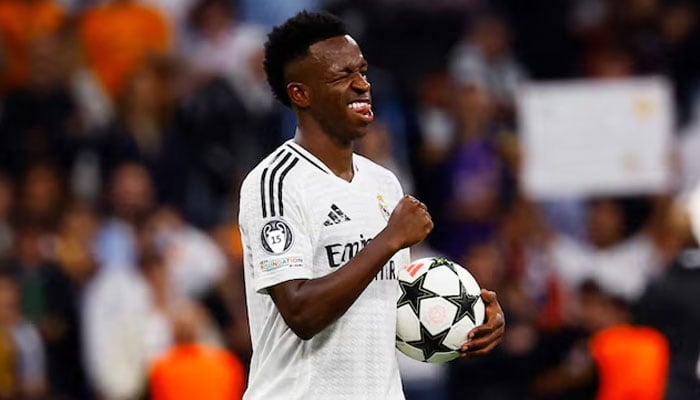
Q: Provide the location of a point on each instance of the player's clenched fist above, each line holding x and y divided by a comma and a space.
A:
410, 222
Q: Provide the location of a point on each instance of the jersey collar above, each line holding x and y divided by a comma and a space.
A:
308, 156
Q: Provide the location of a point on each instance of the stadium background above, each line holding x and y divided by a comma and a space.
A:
125, 129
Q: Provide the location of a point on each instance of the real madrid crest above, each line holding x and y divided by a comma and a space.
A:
383, 208
276, 237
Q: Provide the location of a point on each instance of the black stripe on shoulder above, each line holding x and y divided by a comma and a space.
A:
262, 193
262, 183
272, 182
307, 158
279, 153
279, 185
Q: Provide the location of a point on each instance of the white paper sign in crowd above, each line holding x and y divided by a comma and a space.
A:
596, 137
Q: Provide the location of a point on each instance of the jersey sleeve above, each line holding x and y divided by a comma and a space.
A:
277, 242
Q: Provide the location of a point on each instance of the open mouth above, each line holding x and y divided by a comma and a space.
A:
363, 108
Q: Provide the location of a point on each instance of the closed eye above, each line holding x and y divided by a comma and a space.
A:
348, 74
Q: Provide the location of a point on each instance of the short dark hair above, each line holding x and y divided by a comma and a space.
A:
291, 41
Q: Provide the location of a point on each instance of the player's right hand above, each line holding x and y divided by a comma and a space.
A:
410, 222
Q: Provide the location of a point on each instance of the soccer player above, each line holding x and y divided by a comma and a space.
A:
324, 232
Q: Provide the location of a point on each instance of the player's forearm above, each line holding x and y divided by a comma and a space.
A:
309, 306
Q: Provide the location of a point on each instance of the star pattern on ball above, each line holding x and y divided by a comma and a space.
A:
465, 304
440, 261
430, 344
413, 293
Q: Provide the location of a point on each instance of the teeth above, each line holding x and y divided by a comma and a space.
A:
356, 104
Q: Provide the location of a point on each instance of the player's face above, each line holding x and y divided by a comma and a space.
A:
340, 92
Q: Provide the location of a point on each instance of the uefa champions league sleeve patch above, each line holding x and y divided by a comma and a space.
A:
276, 237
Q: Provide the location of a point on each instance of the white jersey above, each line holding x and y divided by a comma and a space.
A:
300, 221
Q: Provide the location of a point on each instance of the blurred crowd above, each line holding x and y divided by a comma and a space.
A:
126, 127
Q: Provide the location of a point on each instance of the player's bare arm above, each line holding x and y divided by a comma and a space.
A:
309, 306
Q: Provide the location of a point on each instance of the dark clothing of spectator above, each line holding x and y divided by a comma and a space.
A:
167, 165
51, 299
33, 128
672, 305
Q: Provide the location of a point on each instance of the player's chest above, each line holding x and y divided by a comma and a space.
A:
347, 220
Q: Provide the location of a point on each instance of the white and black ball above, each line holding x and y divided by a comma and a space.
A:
438, 304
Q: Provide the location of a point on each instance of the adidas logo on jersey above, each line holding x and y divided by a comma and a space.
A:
336, 216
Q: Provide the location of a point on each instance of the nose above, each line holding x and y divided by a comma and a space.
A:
361, 84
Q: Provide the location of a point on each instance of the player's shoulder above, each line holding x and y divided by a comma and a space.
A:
376, 171
280, 164
280, 178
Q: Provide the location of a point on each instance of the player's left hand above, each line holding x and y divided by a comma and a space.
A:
482, 339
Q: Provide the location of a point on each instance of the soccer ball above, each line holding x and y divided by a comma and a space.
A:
438, 304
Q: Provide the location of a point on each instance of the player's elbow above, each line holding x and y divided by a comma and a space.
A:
302, 333
302, 312
303, 325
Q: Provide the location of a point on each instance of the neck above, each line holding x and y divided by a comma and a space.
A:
335, 153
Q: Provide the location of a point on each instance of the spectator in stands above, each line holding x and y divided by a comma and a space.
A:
74, 242
42, 196
30, 265
131, 199
21, 23
118, 36
226, 303
64, 287
216, 39
622, 263
22, 364
532, 290
618, 360
632, 361
40, 115
484, 58
688, 146
195, 264
7, 200
610, 62
95, 106
167, 250
435, 121
432, 129
193, 370
670, 304
145, 131
175, 12
49, 296
174, 261
679, 28
117, 313
474, 173
158, 335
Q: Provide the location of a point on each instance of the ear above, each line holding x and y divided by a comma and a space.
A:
299, 94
